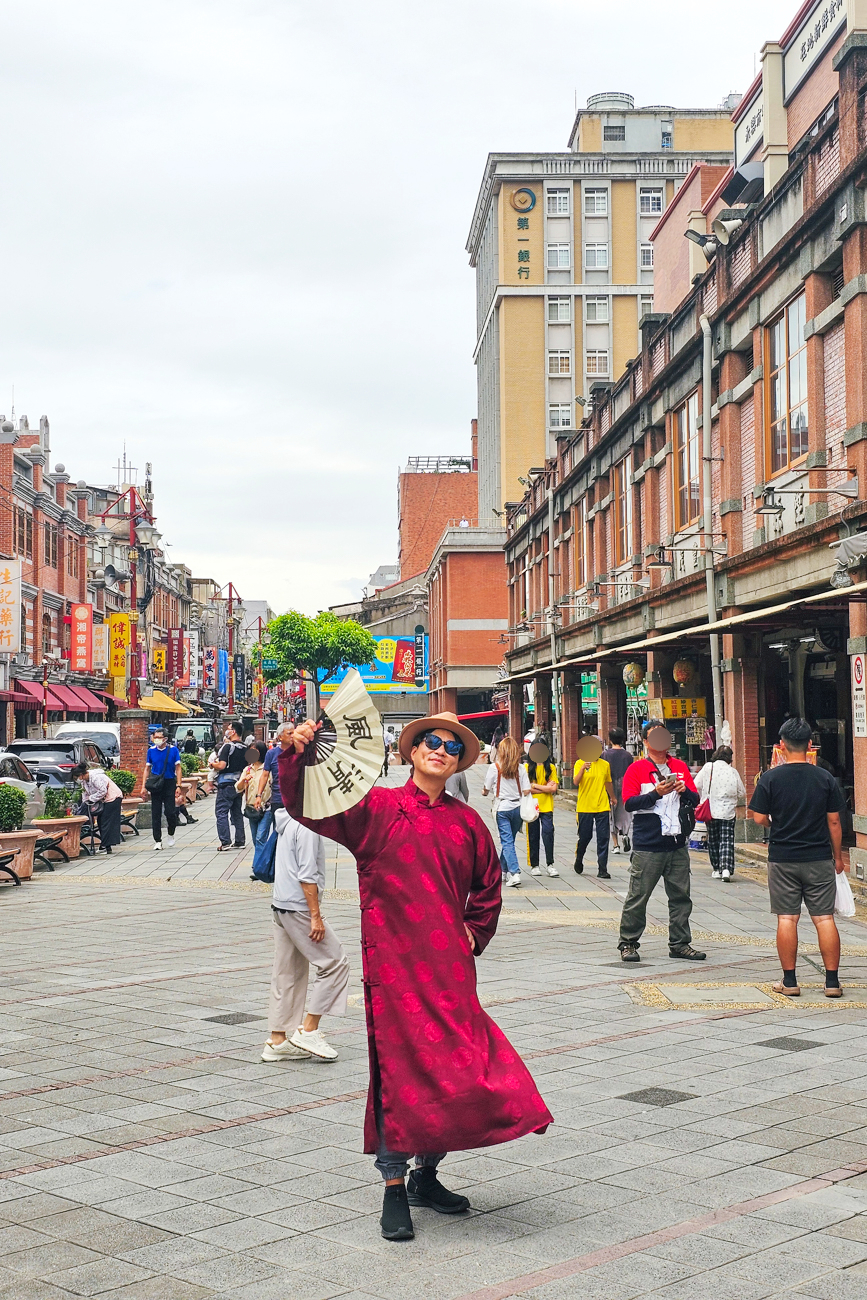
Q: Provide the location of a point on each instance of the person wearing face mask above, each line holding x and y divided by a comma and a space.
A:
160, 782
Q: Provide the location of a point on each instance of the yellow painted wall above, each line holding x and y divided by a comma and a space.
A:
522, 391
578, 364
590, 135
700, 133
624, 256
512, 239
624, 332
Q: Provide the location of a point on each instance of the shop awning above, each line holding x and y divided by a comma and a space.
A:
72, 702
90, 701
36, 693
157, 702
492, 713
18, 698
111, 699
698, 629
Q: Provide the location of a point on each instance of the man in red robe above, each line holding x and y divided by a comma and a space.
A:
443, 1076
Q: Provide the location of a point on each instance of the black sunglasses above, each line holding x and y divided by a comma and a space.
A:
453, 747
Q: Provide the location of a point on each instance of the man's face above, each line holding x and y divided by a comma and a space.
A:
285, 738
436, 762
658, 740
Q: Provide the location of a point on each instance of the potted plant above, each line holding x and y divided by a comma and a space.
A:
57, 818
13, 808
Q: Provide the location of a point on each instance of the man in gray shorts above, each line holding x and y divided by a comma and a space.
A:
802, 805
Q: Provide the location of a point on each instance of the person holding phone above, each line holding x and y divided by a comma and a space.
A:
654, 787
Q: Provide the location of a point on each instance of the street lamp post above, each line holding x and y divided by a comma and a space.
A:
44, 699
141, 529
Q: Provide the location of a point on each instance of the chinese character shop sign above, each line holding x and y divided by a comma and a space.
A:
523, 200
118, 644
859, 695
209, 668
10, 606
175, 652
81, 639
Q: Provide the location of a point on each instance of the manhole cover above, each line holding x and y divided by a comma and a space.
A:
234, 1018
657, 1096
789, 1044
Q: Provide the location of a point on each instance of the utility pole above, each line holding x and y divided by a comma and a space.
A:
44, 698
232, 598
260, 673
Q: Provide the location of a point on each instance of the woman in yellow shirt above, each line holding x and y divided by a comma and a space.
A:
543, 784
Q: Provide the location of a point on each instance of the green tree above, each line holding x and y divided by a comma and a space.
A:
316, 648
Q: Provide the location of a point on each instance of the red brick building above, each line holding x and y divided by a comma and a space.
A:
433, 492
763, 348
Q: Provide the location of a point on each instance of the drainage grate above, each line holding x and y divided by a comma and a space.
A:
234, 1018
657, 1096
789, 1044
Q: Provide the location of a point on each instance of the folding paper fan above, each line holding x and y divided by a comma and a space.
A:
346, 757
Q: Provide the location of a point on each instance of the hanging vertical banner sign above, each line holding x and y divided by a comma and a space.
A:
100, 647
159, 659
193, 641
81, 641
239, 664
10, 606
859, 695
209, 668
420, 658
175, 652
223, 672
118, 644
184, 678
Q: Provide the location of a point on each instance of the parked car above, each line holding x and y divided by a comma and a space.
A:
104, 734
56, 758
15, 772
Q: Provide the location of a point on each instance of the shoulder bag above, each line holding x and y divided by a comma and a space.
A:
685, 811
495, 802
157, 780
702, 812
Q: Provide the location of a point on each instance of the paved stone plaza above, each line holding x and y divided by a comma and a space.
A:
708, 1137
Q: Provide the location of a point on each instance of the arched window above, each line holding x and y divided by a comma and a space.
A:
46, 634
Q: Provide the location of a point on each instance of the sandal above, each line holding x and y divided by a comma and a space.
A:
788, 990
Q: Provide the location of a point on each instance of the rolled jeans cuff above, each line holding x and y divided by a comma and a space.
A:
392, 1165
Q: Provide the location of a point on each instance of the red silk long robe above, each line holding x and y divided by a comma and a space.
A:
450, 1078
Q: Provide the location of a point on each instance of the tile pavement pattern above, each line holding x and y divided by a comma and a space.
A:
699, 1150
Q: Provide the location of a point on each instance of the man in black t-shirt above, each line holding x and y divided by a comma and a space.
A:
802, 805
230, 763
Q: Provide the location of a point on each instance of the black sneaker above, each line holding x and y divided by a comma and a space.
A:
629, 953
627, 846
424, 1188
686, 953
602, 875
396, 1221
579, 868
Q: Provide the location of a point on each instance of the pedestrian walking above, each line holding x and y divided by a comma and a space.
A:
544, 783
443, 1076
618, 758
302, 938
507, 780
660, 793
265, 840
254, 784
103, 800
721, 784
160, 782
802, 805
592, 777
191, 745
457, 787
229, 764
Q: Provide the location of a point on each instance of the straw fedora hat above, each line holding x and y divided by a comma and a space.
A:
446, 722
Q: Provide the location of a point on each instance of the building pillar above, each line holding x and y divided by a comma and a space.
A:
516, 711
134, 741
610, 688
542, 704
447, 700
572, 719
775, 145
741, 696
732, 371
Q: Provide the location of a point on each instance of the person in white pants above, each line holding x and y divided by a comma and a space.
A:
302, 938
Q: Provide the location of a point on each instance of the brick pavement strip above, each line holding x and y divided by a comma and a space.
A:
145, 1152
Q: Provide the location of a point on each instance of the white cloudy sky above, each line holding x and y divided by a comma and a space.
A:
232, 236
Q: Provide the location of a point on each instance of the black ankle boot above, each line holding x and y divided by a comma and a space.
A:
396, 1221
424, 1188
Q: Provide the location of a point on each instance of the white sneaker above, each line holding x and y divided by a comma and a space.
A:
505, 876
552, 871
715, 875
285, 1051
313, 1042
170, 840
157, 846
616, 849
513, 881
535, 871
726, 875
